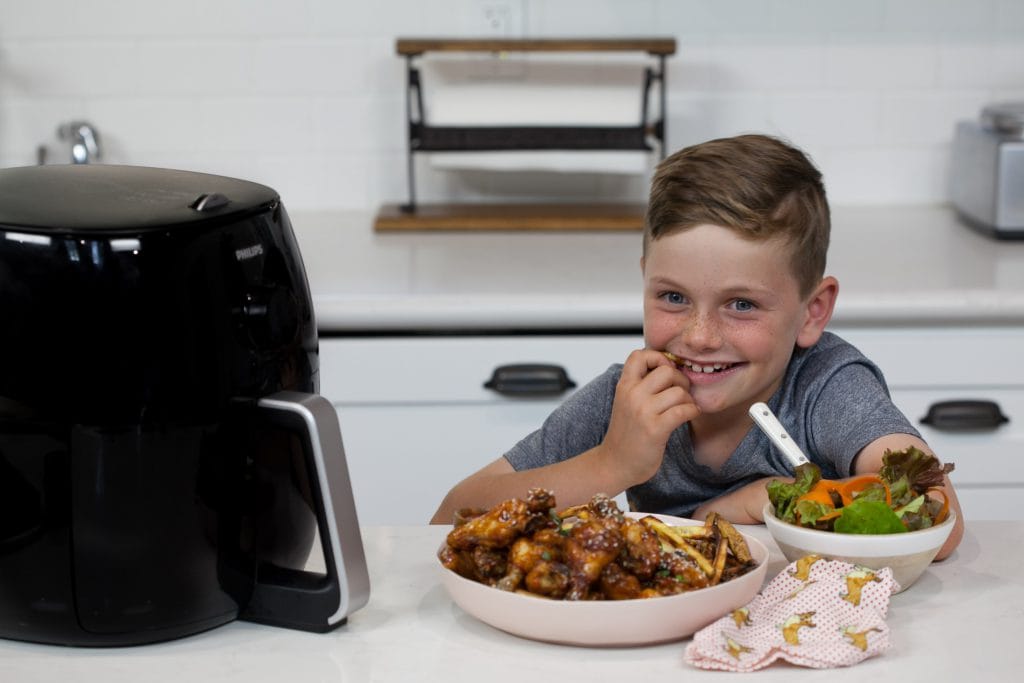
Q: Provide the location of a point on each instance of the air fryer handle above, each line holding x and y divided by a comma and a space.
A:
305, 600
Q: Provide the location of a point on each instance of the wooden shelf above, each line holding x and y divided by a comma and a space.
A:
654, 46
513, 217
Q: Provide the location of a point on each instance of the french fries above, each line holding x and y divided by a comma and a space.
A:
724, 535
678, 540
721, 555
737, 545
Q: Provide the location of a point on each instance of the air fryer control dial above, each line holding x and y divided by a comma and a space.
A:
269, 317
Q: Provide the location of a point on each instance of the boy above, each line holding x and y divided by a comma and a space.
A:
733, 264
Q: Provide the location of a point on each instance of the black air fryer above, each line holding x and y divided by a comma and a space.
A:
165, 461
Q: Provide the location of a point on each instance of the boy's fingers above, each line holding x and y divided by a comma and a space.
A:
671, 395
679, 406
643, 362
637, 365
679, 415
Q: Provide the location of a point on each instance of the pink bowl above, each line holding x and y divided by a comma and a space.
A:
608, 622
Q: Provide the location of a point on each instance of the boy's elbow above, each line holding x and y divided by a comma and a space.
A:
439, 517
446, 510
955, 536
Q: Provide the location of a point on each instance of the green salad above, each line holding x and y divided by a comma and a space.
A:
893, 501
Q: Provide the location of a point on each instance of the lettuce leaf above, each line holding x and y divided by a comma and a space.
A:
912, 507
783, 495
873, 491
868, 517
910, 472
920, 513
809, 511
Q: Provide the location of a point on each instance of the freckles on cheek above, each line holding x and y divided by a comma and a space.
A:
657, 331
759, 341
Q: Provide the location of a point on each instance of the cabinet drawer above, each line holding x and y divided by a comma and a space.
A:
990, 456
990, 502
943, 357
989, 474
402, 459
454, 369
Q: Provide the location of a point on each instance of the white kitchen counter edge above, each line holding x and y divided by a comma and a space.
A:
337, 313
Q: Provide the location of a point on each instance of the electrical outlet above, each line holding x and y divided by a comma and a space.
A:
500, 18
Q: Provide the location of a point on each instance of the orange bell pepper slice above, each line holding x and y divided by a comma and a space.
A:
819, 493
850, 488
847, 490
944, 510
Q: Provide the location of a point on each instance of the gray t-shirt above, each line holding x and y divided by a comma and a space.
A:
833, 401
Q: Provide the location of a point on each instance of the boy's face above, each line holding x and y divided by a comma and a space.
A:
728, 306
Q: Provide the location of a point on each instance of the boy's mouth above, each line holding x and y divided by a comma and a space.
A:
705, 368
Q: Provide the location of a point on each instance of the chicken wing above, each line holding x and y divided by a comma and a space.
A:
591, 545
642, 552
616, 583
485, 565
496, 528
678, 573
528, 551
550, 579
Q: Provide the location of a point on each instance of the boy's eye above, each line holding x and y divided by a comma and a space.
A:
742, 305
674, 298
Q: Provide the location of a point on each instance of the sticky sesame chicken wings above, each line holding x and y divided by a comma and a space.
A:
589, 552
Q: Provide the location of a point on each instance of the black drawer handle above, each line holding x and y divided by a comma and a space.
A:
956, 416
529, 379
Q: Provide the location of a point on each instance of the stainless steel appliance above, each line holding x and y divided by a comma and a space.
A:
165, 460
987, 180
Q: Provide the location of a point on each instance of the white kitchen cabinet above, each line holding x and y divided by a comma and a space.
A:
416, 417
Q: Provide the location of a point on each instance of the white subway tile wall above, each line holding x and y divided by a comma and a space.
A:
308, 95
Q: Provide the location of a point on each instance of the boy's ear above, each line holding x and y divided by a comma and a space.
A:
818, 312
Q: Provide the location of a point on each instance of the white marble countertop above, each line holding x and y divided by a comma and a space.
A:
895, 265
960, 621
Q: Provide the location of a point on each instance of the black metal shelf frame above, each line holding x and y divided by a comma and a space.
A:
424, 137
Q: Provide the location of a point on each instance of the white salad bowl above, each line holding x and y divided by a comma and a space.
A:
907, 554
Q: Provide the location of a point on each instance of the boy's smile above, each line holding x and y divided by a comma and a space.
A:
729, 309
709, 373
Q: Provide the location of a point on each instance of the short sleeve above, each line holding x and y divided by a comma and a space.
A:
852, 410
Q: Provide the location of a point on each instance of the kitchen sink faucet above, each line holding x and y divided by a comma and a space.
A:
84, 140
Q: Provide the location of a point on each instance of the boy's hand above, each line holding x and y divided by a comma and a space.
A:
652, 399
745, 505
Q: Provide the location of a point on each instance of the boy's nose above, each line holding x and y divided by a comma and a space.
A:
701, 332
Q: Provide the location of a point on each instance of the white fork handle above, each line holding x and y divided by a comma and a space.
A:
770, 425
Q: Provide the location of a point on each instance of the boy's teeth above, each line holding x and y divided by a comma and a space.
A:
707, 368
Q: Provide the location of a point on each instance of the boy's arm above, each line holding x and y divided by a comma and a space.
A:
573, 481
742, 506
652, 400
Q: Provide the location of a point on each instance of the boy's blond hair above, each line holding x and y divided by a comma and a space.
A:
755, 185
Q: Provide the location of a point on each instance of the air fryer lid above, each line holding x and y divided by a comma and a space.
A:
104, 198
